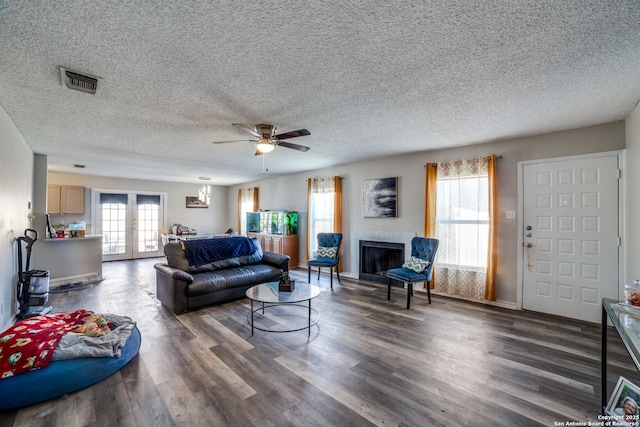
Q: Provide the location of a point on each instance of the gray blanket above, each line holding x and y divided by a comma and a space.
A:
74, 345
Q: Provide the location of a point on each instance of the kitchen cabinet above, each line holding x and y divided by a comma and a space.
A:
280, 244
53, 199
65, 199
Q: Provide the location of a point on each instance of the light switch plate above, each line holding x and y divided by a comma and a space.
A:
511, 214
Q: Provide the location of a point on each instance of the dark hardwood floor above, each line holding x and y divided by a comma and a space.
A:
369, 362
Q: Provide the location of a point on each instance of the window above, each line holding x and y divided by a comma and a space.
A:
247, 202
462, 227
325, 209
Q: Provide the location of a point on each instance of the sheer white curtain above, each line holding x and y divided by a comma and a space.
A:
247, 202
322, 194
462, 226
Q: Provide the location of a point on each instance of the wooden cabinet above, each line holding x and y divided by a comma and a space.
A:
53, 199
277, 245
72, 200
280, 244
65, 199
287, 245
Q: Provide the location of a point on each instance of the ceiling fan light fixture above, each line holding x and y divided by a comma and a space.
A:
267, 139
265, 146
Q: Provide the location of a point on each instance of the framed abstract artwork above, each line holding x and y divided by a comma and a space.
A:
380, 198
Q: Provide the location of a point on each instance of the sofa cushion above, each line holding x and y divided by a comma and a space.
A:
208, 282
254, 258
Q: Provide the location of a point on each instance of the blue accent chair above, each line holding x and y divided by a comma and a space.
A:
423, 248
327, 240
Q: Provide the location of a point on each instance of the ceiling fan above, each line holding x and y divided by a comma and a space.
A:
267, 138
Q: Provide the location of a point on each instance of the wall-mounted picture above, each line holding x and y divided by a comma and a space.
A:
624, 402
195, 202
380, 198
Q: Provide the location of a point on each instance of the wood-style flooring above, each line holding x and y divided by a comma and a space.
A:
368, 362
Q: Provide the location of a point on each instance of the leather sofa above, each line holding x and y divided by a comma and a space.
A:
181, 287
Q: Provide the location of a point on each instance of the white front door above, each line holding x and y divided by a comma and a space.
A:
130, 224
570, 228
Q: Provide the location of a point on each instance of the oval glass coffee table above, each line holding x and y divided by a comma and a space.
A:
269, 296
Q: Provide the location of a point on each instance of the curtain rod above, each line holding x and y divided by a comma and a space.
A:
308, 179
485, 158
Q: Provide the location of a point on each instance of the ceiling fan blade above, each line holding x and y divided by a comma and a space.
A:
294, 146
293, 134
246, 129
236, 140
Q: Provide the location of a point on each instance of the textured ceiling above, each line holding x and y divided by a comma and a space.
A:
368, 79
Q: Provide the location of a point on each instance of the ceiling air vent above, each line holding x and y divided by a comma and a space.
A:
76, 81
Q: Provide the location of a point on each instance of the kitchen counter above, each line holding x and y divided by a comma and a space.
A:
75, 260
66, 239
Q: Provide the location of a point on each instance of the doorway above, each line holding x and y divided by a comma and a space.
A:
570, 232
130, 224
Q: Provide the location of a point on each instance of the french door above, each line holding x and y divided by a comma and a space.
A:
570, 235
130, 224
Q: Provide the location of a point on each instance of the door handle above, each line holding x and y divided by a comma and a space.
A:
528, 252
529, 234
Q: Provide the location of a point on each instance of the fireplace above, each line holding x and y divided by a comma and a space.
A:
378, 257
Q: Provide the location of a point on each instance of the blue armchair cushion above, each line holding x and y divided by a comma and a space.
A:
405, 275
418, 265
324, 252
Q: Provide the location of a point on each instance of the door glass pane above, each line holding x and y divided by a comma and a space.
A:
148, 227
113, 228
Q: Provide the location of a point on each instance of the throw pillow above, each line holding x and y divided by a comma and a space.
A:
324, 252
416, 264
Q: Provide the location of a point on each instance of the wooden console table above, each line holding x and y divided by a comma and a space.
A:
630, 340
280, 244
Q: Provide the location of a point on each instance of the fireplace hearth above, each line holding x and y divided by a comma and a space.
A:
378, 257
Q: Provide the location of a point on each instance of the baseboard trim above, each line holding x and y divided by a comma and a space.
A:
79, 279
502, 304
9, 323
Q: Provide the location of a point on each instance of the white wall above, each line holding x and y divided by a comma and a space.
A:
211, 220
290, 192
16, 178
633, 195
